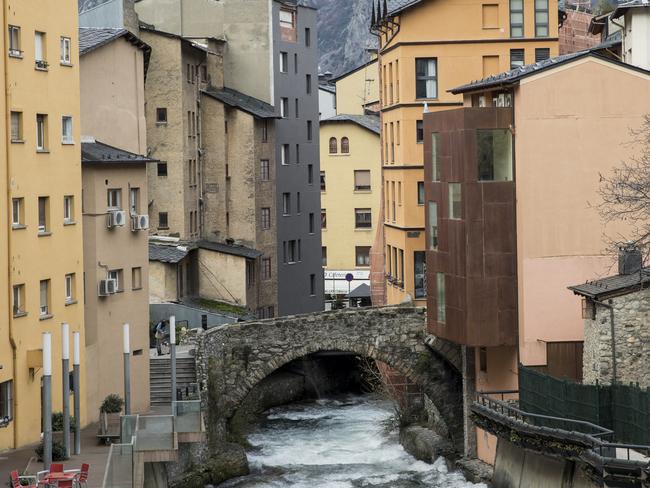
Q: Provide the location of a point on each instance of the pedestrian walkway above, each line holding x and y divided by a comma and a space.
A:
25, 461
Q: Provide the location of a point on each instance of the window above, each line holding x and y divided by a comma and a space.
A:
542, 53
309, 130
516, 18
14, 42
401, 268
17, 213
310, 174
362, 180
435, 160
420, 192
312, 284
65, 50
323, 218
433, 226
295, 63
266, 268
264, 170
66, 130
311, 223
362, 255
43, 215
362, 218
284, 62
426, 78
454, 201
204, 73
298, 202
345, 145
284, 154
297, 107
16, 126
286, 19
265, 130
41, 132
39, 50
266, 218
324, 256
323, 185
286, 203
69, 288
490, 16
19, 300
494, 147
333, 145
440, 287
161, 115
292, 249
162, 169
308, 84
44, 309
6, 400
284, 107
117, 275
68, 209
541, 18
136, 278
482, 359
250, 273
114, 198
163, 222
307, 36
134, 201
419, 131
419, 274
297, 153
516, 58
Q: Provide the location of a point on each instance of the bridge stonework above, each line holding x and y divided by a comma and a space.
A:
232, 359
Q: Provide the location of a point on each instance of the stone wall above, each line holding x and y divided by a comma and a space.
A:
232, 359
632, 341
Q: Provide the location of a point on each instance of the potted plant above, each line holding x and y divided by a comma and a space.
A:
57, 427
111, 406
58, 452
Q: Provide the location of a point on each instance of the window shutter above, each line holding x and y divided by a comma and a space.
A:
38, 46
362, 178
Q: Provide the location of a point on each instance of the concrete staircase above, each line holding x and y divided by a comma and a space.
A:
160, 378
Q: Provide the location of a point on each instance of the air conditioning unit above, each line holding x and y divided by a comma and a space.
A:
116, 218
139, 222
107, 287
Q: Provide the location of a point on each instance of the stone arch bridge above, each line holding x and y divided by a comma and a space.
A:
232, 359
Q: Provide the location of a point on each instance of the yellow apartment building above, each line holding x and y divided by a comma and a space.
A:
357, 91
41, 246
350, 182
427, 47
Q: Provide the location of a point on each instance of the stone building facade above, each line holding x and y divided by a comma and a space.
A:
617, 306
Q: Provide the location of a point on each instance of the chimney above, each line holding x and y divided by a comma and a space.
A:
630, 260
214, 62
130, 17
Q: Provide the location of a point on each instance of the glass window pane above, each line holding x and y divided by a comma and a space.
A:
541, 4
516, 4
435, 141
440, 298
433, 226
517, 18
517, 32
454, 201
494, 147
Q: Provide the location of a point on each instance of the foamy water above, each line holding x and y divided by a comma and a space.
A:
337, 444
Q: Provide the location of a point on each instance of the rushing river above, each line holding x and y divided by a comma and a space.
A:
339, 443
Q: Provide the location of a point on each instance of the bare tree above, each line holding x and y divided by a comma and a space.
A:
625, 192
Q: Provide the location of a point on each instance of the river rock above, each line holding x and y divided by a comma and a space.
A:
475, 470
424, 444
228, 462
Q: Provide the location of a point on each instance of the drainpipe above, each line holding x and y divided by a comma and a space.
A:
12, 339
611, 325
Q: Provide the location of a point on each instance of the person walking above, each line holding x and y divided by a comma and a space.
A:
160, 335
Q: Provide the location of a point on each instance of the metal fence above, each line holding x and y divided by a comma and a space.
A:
625, 409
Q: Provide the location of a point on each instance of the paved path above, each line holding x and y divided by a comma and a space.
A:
91, 452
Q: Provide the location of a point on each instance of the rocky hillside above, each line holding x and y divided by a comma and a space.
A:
343, 34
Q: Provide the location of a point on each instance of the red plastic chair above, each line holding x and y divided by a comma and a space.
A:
81, 479
56, 468
16, 480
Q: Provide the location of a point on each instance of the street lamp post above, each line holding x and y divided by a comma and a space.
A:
76, 386
65, 372
172, 347
47, 400
127, 370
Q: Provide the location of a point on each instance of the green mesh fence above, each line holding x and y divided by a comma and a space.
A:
625, 409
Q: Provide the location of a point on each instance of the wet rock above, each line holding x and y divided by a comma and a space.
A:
228, 462
424, 444
475, 470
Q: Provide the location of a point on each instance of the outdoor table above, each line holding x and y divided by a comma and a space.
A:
63, 480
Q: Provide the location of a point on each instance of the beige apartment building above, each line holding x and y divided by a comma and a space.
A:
115, 213
41, 245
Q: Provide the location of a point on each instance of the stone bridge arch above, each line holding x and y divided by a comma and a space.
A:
233, 358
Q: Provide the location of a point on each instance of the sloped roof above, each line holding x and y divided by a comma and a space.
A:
514, 75
98, 152
84, 5
397, 6
624, 7
233, 249
244, 102
370, 122
353, 70
166, 253
327, 87
613, 285
361, 291
93, 37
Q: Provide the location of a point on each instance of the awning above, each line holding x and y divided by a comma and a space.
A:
361, 291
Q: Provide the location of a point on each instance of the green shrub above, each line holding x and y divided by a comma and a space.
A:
58, 451
57, 422
113, 403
